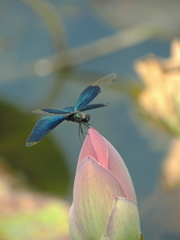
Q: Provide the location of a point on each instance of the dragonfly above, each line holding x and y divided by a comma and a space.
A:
53, 117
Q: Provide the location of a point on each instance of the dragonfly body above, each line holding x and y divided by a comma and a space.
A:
78, 117
53, 117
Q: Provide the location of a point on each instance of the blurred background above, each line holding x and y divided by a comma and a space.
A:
49, 52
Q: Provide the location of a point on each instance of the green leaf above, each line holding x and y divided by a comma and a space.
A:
28, 215
48, 221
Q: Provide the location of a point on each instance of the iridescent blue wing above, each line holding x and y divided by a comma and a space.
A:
93, 106
93, 90
42, 128
55, 112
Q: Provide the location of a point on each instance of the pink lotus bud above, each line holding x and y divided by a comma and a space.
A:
104, 201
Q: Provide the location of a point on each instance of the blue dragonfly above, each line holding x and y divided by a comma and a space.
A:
53, 117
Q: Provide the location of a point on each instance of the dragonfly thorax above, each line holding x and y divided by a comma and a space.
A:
79, 117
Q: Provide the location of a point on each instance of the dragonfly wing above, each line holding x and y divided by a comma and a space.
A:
42, 128
68, 109
93, 106
93, 90
54, 112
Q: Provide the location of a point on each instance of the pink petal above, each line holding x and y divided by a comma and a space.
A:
94, 191
102, 151
117, 166
95, 146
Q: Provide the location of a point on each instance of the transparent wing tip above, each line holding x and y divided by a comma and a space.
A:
111, 76
114, 76
29, 144
38, 111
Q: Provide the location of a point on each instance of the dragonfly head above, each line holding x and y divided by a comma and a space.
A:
86, 118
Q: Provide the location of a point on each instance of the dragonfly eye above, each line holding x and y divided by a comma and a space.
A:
87, 118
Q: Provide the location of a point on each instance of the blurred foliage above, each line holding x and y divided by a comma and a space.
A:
171, 167
51, 18
28, 215
43, 167
47, 222
159, 101
162, 209
162, 16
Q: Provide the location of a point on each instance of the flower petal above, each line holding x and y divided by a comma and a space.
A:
141, 237
124, 221
117, 166
95, 145
104, 237
94, 191
73, 226
99, 148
